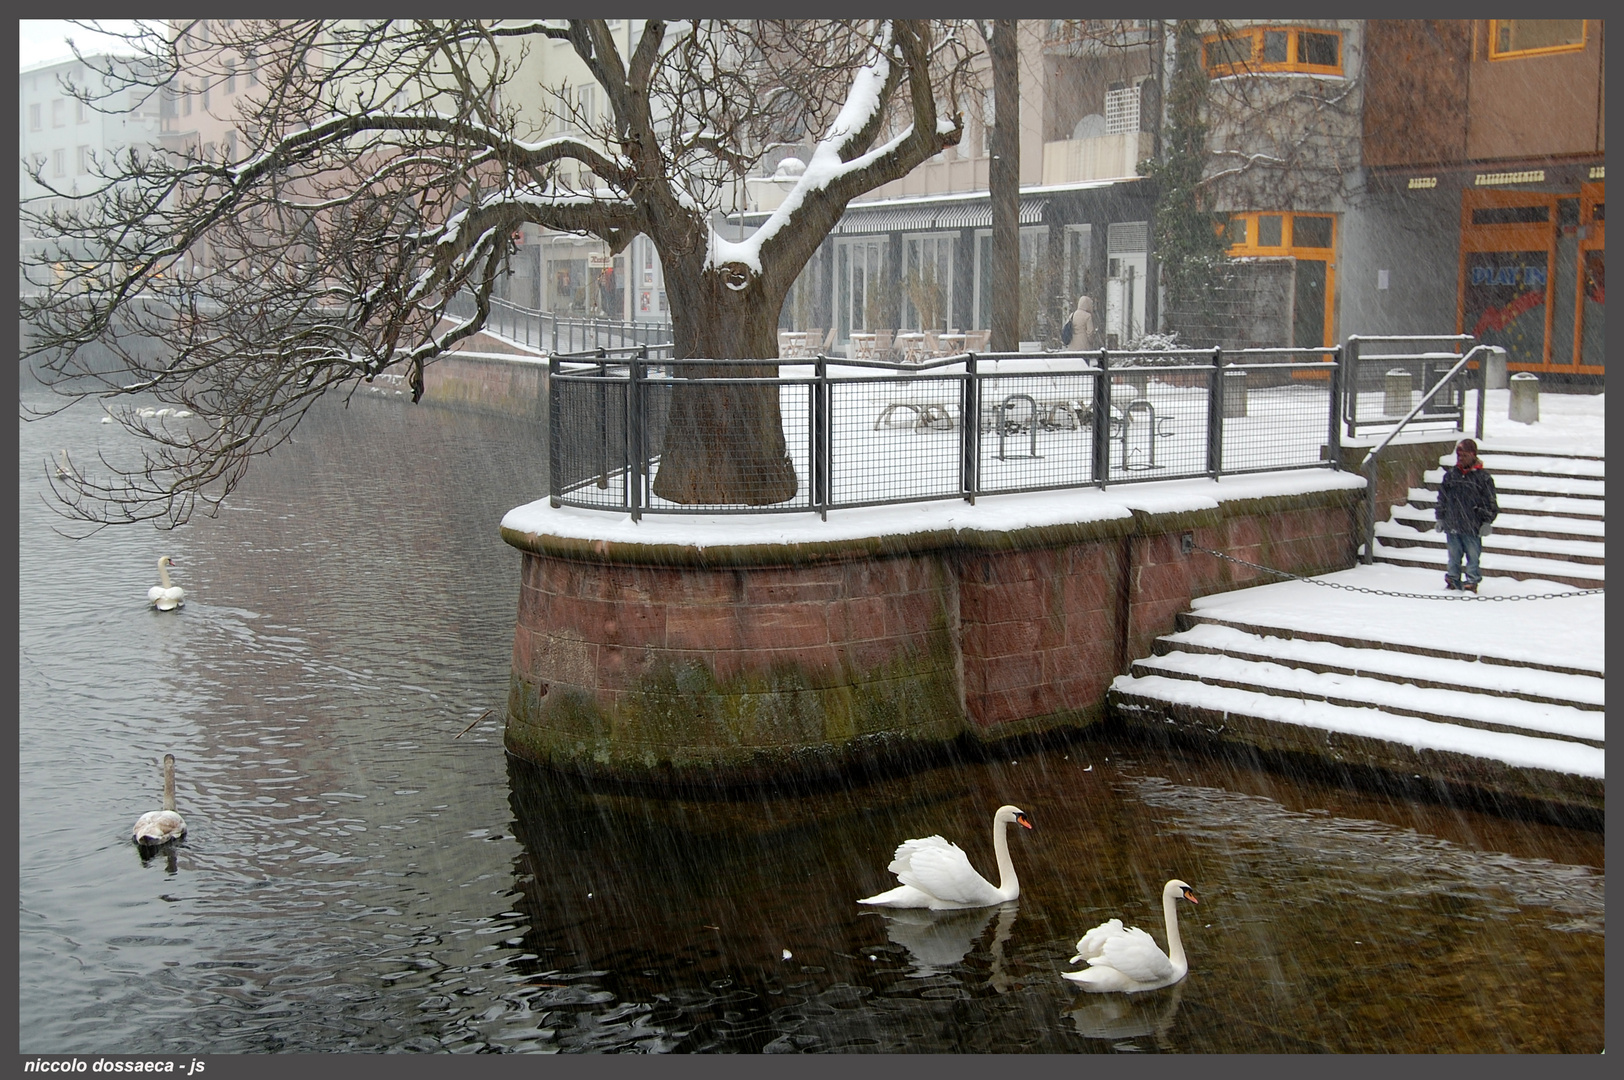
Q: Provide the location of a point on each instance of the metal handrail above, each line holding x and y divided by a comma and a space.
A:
1369, 465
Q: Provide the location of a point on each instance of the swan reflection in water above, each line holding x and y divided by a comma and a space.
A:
1120, 1017
938, 940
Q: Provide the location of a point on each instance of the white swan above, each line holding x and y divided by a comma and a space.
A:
1129, 960
161, 826
165, 597
937, 875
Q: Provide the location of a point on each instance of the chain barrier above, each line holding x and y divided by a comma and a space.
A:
1384, 592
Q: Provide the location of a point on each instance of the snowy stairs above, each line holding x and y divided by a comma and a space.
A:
1552, 523
1523, 729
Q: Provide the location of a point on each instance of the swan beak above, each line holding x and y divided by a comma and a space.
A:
1190, 896
1023, 820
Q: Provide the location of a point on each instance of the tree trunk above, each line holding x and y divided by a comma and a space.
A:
723, 444
1004, 182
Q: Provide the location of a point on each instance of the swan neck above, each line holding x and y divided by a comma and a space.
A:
169, 785
1175, 944
163, 575
1006, 866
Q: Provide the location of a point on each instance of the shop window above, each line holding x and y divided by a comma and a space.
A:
1269, 231
1513, 38
1273, 48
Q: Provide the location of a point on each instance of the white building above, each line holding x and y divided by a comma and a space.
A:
66, 136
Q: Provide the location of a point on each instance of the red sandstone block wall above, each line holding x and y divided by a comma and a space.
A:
602, 627
1038, 633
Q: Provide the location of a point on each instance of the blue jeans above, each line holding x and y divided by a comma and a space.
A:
1468, 548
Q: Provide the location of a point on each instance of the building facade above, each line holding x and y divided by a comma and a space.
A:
1485, 207
66, 136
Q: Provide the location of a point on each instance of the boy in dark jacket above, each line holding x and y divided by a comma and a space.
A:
1466, 506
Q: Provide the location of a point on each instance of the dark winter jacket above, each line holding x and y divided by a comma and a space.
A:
1466, 500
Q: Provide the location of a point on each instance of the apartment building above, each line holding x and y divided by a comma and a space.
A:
67, 136
1483, 150
916, 254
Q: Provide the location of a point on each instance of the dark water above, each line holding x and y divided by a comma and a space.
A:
357, 878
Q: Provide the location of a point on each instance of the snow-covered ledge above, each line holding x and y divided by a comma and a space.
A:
748, 646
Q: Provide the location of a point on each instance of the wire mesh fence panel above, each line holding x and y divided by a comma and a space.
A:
1036, 431
1160, 423
731, 445
588, 440
1273, 421
894, 439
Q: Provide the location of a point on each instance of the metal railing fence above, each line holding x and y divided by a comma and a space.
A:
1368, 360
865, 433
1445, 382
546, 332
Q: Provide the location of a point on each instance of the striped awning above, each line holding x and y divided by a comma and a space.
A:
958, 215
978, 215
888, 219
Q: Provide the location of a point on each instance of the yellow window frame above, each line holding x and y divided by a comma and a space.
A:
1544, 50
1256, 65
1288, 246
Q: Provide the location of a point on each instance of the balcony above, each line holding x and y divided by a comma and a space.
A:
1103, 157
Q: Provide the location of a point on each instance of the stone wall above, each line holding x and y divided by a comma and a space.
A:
661, 662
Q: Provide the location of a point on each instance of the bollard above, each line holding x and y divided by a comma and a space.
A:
1524, 398
1494, 371
1400, 388
1234, 394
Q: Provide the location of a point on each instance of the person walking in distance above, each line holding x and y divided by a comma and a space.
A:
1078, 331
1466, 506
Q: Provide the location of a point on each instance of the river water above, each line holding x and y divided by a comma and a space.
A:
356, 876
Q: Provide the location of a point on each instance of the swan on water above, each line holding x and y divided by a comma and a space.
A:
937, 874
1129, 960
167, 596
64, 467
161, 826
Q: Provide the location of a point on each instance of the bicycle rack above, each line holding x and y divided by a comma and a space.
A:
1032, 425
1139, 405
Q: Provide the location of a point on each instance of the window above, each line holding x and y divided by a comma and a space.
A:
34, 116
85, 159
1273, 48
1510, 38
927, 282
1281, 234
81, 112
231, 76
59, 112
185, 102
253, 69
59, 163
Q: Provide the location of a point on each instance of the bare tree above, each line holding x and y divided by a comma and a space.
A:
383, 167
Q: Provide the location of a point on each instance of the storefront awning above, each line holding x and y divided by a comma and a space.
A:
978, 215
889, 219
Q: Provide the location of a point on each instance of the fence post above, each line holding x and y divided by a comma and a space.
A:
1350, 383
1215, 417
820, 436
970, 429
1102, 420
554, 466
633, 472
1333, 441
